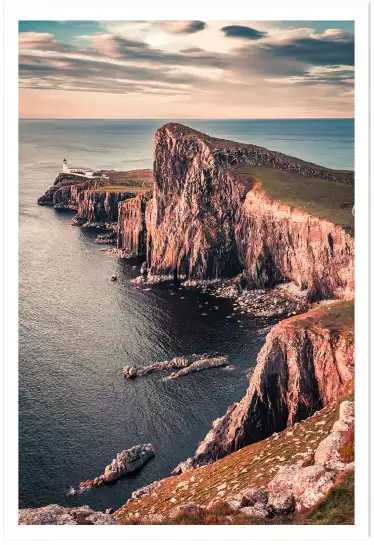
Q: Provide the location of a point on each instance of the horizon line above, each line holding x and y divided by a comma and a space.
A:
163, 118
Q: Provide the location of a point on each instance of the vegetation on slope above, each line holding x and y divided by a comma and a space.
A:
134, 181
336, 316
253, 466
331, 201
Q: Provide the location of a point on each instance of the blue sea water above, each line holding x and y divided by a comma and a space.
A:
77, 329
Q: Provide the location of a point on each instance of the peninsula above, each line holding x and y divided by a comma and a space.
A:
240, 219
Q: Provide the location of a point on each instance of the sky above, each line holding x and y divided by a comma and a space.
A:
186, 69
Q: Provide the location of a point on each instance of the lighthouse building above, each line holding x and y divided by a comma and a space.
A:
80, 171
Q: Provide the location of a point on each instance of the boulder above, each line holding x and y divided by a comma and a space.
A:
251, 497
311, 484
257, 510
280, 490
128, 461
184, 508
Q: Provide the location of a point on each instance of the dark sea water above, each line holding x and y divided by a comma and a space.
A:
77, 329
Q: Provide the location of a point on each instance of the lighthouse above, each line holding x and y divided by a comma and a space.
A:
78, 171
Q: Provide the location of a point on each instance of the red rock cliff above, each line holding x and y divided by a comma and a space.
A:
133, 224
207, 222
304, 365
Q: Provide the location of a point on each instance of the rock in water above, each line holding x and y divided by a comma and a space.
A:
128, 461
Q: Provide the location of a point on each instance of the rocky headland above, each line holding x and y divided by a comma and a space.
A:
212, 216
276, 234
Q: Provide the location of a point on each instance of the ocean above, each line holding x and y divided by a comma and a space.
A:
77, 329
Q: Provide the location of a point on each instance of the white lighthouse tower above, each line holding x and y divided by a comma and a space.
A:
65, 166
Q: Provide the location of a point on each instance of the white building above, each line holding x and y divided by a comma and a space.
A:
87, 172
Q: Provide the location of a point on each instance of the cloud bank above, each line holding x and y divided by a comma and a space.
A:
192, 68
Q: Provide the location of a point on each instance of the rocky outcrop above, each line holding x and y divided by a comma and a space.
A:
128, 461
55, 514
300, 488
185, 364
66, 191
303, 366
206, 221
199, 365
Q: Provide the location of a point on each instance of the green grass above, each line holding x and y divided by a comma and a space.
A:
337, 317
120, 189
142, 177
337, 507
324, 199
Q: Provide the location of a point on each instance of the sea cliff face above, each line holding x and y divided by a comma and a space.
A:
133, 223
278, 243
304, 365
66, 191
101, 206
207, 222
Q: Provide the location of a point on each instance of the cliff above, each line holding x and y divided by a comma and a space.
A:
96, 200
133, 221
66, 190
305, 364
219, 208
96, 206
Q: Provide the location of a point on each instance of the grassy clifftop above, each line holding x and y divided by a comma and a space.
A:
324, 199
253, 466
134, 181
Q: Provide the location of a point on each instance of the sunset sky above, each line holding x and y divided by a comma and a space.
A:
186, 69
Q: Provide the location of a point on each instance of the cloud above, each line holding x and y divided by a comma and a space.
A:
238, 31
42, 41
283, 67
182, 27
327, 48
